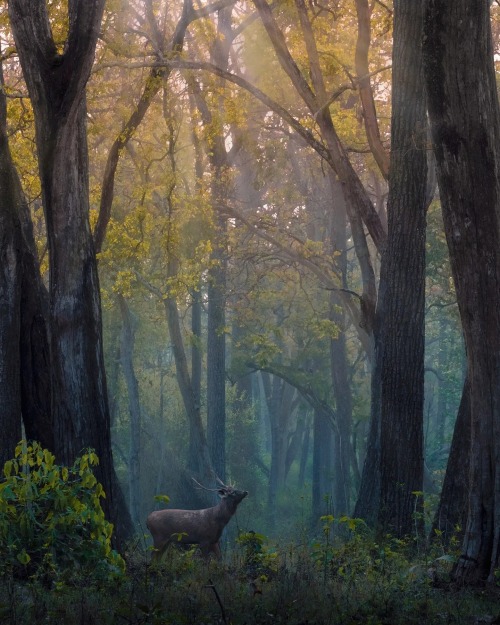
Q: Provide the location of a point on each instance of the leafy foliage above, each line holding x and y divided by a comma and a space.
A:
368, 581
51, 521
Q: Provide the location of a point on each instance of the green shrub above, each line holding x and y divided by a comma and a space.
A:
52, 525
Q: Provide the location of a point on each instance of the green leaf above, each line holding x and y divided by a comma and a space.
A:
162, 498
23, 557
7, 468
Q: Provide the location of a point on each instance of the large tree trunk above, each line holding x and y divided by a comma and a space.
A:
24, 354
451, 516
393, 469
10, 296
402, 294
465, 117
56, 83
34, 344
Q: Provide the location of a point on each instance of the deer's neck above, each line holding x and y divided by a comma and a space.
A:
225, 509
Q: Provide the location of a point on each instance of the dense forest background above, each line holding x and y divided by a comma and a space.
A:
236, 242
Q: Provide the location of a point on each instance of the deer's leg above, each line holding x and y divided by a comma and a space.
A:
207, 548
157, 553
217, 551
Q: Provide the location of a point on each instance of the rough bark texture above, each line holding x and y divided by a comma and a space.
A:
401, 301
56, 83
393, 468
451, 515
10, 298
465, 118
24, 357
34, 344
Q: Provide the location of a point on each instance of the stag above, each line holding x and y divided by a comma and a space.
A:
195, 527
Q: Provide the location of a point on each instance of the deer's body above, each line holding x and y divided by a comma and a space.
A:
195, 527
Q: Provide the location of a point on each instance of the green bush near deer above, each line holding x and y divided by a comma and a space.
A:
52, 525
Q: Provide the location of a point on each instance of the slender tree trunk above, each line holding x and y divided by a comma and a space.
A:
364, 10
279, 413
465, 118
338, 362
216, 354
216, 340
199, 458
322, 468
304, 455
368, 502
443, 388
278, 397
296, 439
196, 353
129, 324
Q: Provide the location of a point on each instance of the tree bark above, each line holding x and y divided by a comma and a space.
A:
451, 516
394, 462
56, 83
10, 295
465, 118
36, 389
24, 357
402, 296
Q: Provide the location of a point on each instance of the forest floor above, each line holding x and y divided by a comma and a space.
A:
358, 581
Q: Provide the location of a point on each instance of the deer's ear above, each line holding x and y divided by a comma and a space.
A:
222, 492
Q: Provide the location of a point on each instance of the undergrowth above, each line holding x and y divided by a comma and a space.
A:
57, 566
322, 583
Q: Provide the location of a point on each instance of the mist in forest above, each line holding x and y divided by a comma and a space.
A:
237, 259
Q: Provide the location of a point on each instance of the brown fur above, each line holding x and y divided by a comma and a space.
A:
194, 527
